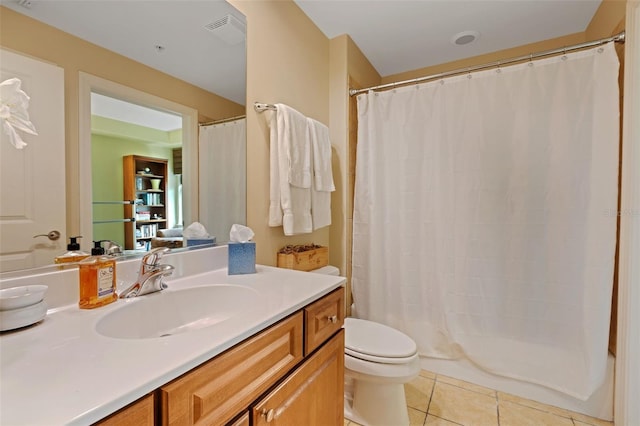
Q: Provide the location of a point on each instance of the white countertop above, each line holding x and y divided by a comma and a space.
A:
61, 371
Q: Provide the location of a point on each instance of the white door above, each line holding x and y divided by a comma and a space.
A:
32, 180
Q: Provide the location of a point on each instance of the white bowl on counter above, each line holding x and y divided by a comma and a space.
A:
20, 297
22, 317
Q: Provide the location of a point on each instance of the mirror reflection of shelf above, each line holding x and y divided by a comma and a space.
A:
145, 179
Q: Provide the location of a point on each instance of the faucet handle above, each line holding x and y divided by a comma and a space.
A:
153, 257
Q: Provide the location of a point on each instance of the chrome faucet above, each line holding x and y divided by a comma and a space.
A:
112, 248
150, 275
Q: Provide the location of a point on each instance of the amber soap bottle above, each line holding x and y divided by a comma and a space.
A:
97, 279
73, 254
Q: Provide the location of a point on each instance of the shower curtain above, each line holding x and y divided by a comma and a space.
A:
484, 216
222, 177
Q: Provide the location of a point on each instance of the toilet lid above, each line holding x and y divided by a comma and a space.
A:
375, 340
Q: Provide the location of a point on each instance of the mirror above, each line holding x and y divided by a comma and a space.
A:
219, 68
136, 157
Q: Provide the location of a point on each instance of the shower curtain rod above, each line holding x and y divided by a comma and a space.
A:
616, 38
222, 120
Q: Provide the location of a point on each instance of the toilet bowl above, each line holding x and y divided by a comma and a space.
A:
378, 361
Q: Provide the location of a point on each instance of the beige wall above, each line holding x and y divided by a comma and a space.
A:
33, 38
287, 62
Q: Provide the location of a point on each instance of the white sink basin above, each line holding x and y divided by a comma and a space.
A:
167, 313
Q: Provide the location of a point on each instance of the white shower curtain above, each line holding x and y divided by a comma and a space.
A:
222, 177
484, 216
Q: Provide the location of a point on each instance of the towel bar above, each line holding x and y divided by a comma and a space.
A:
260, 107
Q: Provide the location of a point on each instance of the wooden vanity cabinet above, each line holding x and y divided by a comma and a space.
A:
291, 373
139, 413
218, 390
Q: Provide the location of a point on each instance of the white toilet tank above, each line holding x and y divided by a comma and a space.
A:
327, 270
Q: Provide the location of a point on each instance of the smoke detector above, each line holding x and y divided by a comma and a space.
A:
465, 37
228, 28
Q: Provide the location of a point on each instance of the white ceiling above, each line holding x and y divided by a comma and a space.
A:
404, 35
133, 28
395, 35
115, 109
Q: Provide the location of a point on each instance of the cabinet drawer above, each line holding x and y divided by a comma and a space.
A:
322, 319
312, 395
215, 392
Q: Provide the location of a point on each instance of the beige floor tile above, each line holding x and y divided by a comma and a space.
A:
416, 417
591, 421
418, 393
463, 406
437, 421
533, 404
466, 385
346, 422
582, 420
512, 414
427, 374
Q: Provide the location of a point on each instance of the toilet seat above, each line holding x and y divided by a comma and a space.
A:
374, 342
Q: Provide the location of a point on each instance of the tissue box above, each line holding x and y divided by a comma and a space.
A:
200, 241
242, 258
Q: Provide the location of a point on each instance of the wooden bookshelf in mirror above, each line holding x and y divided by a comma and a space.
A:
145, 181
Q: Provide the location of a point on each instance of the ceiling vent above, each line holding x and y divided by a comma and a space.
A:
25, 3
229, 29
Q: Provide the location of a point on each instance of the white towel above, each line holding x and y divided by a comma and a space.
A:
295, 137
275, 208
323, 176
290, 200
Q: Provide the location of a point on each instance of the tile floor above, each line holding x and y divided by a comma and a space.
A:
436, 400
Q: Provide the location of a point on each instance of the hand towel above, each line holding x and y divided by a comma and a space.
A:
323, 176
295, 137
290, 203
275, 207
321, 146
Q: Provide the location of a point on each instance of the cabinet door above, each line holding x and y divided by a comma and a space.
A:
313, 395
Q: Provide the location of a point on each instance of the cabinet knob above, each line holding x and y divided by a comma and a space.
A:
333, 318
268, 415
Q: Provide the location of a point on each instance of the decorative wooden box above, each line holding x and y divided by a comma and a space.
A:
304, 260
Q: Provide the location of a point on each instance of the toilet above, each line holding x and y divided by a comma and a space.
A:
378, 361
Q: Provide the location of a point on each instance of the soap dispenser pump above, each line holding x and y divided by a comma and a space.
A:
97, 279
73, 254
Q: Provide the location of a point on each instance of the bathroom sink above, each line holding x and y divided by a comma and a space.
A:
168, 313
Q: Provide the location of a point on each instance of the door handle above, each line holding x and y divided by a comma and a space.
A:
53, 235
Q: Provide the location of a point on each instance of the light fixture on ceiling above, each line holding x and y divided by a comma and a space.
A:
465, 37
